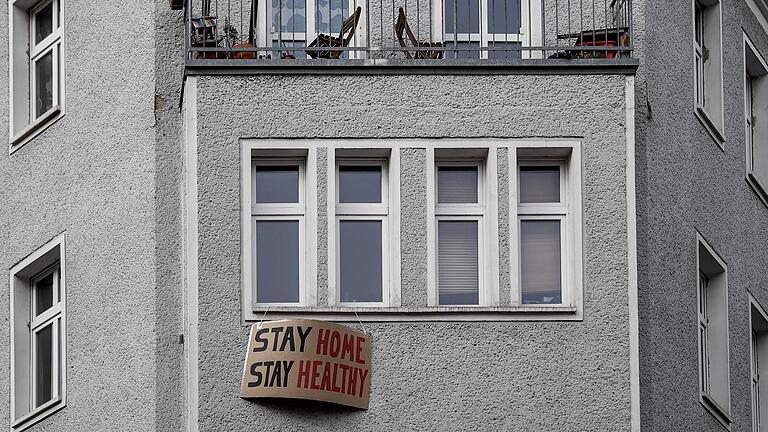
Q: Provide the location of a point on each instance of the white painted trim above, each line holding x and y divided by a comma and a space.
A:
430, 172
333, 293
190, 251
38, 414
717, 133
750, 304
632, 283
395, 272
761, 18
492, 228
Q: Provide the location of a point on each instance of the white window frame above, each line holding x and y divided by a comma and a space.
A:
707, 83
567, 211
367, 212
467, 212
713, 281
529, 35
25, 122
24, 276
760, 187
758, 363
266, 35
282, 212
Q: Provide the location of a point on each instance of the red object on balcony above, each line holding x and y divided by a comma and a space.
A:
608, 54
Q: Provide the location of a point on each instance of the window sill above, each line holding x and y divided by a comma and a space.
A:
716, 410
758, 188
713, 131
34, 128
438, 313
38, 414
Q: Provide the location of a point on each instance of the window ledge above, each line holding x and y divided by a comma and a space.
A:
34, 128
38, 414
713, 131
716, 410
758, 188
438, 313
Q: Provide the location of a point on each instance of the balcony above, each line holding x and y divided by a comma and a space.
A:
274, 35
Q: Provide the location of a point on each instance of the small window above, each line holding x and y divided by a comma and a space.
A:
37, 73
38, 335
362, 209
544, 216
714, 372
708, 72
758, 365
460, 212
756, 118
278, 230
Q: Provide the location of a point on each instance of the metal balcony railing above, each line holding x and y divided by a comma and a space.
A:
435, 30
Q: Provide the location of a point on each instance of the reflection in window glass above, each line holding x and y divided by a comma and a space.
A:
463, 15
44, 23
504, 16
277, 184
540, 261
44, 361
292, 15
44, 84
539, 184
457, 260
360, 246
338, 10
457, 185
360, 184
277, 261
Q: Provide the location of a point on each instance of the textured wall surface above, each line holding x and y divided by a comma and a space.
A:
438, 376
95, 175
687, 183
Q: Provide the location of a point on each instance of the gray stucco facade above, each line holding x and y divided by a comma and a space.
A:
144, 176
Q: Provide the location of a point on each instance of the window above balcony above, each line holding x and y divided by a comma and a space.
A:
424, 33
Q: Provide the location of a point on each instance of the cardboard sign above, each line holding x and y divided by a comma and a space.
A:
308, 359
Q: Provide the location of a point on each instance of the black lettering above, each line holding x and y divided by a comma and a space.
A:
276, 331
275, 375
255, 373
288, 338
303, 337
262, 343
268, 364
287, 365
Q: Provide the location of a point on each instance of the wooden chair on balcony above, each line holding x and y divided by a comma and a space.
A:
323, 40
401, 25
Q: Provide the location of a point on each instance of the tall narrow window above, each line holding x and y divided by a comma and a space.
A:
36, 64
756, 118
38, 333
278, 230
543, 215
708, 71
362, 207
460, 212
758, 365
714, 373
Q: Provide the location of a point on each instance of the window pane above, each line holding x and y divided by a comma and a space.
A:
457, 260
471, 50
504, 50
539, 184
277, 261
43, 23
464, 13
540, 261
44, 294
456, 185
360, 258
292, 15
504, 16
277, 184
44, 369
359, 184
337, 10
44, 84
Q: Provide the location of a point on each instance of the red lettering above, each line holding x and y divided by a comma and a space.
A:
344, 369
349, 342
322, 341
363, 376
335, 344
352, 384
334, 387
315, 374
326, 384
359, 351
303, 372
